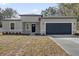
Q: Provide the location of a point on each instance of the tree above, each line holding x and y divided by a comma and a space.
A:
69, 9
9, 12
49, 11
1, 17
6, 13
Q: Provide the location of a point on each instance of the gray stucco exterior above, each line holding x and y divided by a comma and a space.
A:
59, 19
24, 23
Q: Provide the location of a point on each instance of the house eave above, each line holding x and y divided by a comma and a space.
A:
30, 15
11, 19
59, 17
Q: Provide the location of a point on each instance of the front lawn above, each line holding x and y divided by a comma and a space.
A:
11, 45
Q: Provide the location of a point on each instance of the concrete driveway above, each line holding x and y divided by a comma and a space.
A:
70, 43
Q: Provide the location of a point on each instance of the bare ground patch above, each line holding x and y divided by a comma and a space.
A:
12, 45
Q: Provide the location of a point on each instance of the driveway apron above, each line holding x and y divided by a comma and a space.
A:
70, 43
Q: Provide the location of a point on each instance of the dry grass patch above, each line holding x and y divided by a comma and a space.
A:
29, 45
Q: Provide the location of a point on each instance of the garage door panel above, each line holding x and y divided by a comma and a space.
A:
58, 28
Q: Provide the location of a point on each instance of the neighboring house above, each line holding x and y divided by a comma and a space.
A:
35, 24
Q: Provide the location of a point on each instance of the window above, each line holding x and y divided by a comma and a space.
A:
12, 26
0, 24
27, 26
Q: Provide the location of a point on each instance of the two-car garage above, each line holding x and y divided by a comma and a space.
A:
58, 28
58, 25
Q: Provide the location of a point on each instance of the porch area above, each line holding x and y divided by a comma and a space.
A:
31, 28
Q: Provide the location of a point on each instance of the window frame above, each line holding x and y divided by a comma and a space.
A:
0, 24
12, 26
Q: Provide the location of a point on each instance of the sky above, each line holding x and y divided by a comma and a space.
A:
27, 8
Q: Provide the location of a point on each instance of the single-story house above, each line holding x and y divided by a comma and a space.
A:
38, 24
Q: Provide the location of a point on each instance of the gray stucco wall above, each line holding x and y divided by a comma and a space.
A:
40, 25
6, 26
30, 18
44, 21
19, 24
30, 27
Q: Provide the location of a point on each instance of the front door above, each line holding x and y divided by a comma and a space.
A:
33, 27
